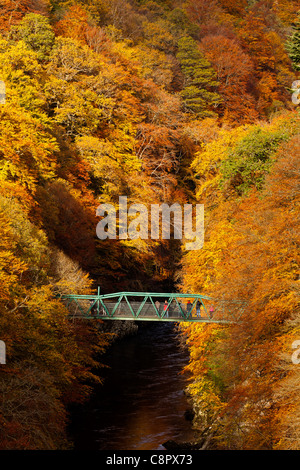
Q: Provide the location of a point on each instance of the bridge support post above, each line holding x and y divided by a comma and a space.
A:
98, 302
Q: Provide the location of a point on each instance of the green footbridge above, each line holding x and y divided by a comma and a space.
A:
153, 306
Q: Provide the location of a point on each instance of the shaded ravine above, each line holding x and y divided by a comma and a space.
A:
142, 402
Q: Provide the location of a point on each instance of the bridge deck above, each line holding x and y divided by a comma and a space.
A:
148, 312
152, 307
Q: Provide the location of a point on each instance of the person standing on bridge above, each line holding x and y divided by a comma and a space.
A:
198, 308
189, 308
166, 309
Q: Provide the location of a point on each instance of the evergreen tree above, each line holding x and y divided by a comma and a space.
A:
293, 45
198, 93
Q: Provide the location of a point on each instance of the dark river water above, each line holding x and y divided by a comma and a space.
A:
142, 403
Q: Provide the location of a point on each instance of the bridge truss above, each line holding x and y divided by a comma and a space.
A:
153, 306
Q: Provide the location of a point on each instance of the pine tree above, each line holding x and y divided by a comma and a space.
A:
293, 45
200, 82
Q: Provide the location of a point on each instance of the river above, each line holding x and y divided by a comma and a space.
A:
142, 403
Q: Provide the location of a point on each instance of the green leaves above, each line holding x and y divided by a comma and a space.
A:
198, 93
251, 159
37, 34
293, 45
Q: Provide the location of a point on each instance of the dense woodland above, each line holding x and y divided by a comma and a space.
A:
160, 101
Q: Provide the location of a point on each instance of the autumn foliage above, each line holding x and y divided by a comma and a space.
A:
251, 253
177, 101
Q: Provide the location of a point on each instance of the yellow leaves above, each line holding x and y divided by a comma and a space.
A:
10, 266
23, 76
201, 268
27, 151
28, 243
124, 52
18, 61
204, 388
110, 159
207, 400
41, 304
251, 252
158, 36
215, 152
26, 147
201, 338
76, 110
153, 64
69, 59
207, 160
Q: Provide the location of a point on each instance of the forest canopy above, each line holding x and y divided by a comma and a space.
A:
170, 101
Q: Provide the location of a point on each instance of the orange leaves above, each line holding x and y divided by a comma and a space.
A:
286, 11
74, 24
231, 63
245, 46
285, 189
251, 252
103, 117
234, 70
271, 63
266, 263
12, 12
157, 153
48, 356
77, 24
201, 12
236, 7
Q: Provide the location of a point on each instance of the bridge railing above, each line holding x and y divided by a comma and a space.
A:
151, 306
146, 310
